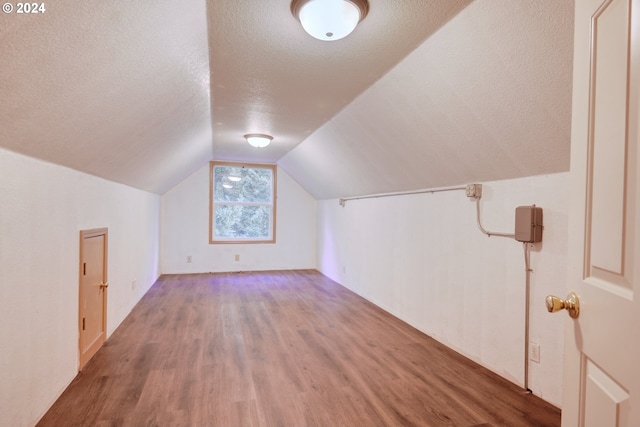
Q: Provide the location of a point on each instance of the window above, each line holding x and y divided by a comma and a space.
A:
242, 206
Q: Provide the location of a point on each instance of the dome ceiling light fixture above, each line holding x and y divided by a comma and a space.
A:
329, 20
258, 140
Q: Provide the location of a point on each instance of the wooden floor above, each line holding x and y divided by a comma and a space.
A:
281, 349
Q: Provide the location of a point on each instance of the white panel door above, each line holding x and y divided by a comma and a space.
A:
602, 348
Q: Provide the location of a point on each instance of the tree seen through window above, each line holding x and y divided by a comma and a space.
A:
243, 208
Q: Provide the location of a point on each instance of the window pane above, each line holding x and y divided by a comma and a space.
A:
249, 222
242, 184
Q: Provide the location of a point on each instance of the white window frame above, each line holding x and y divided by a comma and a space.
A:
212, 204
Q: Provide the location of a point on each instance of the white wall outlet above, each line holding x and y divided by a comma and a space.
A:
133, 285
237, 257
189, 258
534, 352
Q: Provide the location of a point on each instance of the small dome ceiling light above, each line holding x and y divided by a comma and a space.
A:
258, 140
329, 20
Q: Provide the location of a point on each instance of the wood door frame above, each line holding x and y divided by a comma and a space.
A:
85, 234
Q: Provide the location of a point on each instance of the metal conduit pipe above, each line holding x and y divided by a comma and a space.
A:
489, 233
527, 254
343, 200
528, 270
527, 259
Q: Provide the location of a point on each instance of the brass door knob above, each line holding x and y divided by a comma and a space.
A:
104, 285
571, 304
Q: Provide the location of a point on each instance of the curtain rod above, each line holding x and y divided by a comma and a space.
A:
343, 200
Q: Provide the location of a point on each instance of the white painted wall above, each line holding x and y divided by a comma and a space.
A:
423, 259
185, 231
43, 207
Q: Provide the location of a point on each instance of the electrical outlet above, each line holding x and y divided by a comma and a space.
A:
534, 352
189, 258
474, 190
133, 285
237, 257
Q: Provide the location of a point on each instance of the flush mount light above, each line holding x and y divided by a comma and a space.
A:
258, 140
329, 20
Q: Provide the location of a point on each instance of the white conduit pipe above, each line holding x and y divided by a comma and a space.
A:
527, 256
489, 233
527, 264
400, 193
528, 270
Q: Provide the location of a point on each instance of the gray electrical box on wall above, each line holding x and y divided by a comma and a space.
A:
529, 224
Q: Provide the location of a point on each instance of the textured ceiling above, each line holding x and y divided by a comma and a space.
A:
487, 97
117, 89
269, 76
424, 93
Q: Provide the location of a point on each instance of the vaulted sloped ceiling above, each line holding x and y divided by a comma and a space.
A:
487, 97
424, 93
117, 88
269, 76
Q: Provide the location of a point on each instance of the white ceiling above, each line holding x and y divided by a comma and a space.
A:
117, 89
487, 97
269, 76
424, 93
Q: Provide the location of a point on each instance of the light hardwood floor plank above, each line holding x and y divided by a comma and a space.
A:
281, 348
